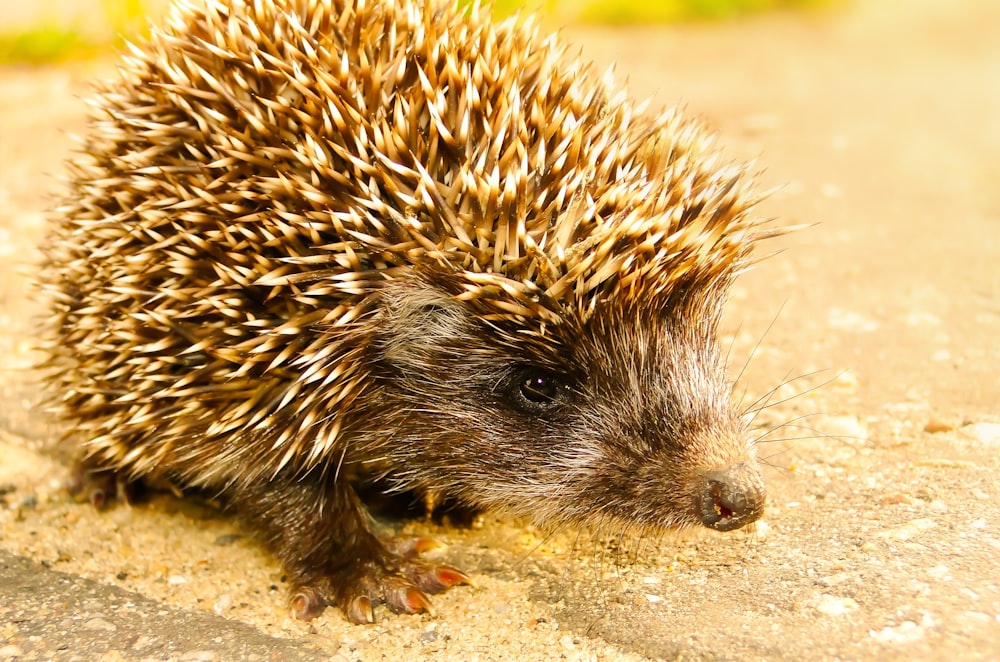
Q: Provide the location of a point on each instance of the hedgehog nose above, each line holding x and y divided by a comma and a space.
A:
731, 498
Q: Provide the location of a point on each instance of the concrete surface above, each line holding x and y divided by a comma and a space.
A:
881, 540
62, 616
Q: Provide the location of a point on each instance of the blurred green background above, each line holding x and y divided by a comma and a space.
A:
53, 30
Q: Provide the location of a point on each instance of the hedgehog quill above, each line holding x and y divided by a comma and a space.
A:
307, 243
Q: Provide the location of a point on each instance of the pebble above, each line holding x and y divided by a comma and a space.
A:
833, 580
984, 433
227, 539
922, 318
100, 624
941, 356
761, 529
846, 381
832, 605
223, 604
977, 617
940, 572
762, 122
903, 633
896, 498
843, 428
911, 529
935, 425
838, 318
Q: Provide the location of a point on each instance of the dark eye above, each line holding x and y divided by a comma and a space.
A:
535, 391
540, 389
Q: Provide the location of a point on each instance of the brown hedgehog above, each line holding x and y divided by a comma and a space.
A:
308, 243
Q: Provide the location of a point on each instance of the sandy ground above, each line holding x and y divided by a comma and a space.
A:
881, 541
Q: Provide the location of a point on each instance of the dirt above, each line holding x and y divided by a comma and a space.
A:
878, 323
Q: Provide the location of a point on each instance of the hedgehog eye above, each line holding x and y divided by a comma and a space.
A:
535, 391
539, 389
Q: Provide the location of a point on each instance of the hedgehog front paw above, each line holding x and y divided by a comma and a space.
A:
99, 486
398, 581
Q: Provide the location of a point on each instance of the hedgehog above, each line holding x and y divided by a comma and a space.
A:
309, 246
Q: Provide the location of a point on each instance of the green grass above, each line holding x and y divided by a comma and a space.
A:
44, 43
661, 11
52, 39
620, 12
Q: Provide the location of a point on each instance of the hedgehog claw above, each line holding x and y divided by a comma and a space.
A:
360, 610
440, 578
410, 548
409, 600
402, 590
306, 604
401, 584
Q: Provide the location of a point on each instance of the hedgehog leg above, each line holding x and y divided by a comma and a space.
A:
319, 530
99, 485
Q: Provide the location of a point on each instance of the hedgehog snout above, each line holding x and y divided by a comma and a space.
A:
730, 498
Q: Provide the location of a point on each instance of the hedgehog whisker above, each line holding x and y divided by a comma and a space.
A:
762, 438
785, 382
760, 340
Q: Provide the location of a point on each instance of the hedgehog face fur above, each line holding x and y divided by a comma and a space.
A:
311, 239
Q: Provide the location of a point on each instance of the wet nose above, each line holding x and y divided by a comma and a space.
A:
731, 498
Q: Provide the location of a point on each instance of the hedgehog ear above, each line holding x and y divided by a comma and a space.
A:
418, 323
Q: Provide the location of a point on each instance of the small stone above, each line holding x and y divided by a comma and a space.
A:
144, 641
977, 617
843, 428
838, 318
198, 656
832, 605
227, 539
911, 529
223, 604
846, 381
896, 498
100, 624
762, 122
984, 433
922, 318
834, 580
940, 572
903, 633
761, 529
176, 579
935, 425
